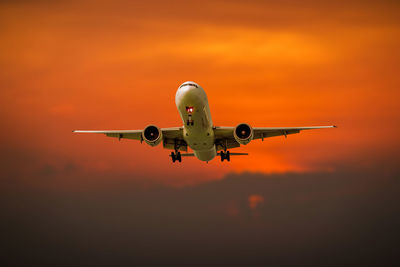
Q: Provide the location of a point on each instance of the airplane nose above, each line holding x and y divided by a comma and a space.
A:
184, 90
190, 92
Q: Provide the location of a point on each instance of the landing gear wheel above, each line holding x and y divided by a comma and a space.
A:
225, 156
176, 157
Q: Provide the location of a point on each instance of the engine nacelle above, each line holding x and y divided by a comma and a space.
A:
152, 135
243, 133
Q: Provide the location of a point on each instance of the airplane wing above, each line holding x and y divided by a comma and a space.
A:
224, 135
265, 132
171, 136
127, 134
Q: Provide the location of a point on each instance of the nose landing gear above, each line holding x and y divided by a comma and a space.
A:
225, 155
189, 111
190, 121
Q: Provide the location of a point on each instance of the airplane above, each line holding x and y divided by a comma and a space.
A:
198, 131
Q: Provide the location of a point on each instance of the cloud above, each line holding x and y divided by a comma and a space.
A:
255, 200
309, 219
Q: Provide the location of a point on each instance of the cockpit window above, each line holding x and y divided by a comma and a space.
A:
189, 84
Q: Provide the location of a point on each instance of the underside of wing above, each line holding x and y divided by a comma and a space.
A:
224, 138
265, 132
120, 134
171, 137
225, 135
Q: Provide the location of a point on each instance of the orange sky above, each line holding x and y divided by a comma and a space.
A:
94, 65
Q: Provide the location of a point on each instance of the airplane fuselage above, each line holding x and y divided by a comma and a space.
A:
192, 103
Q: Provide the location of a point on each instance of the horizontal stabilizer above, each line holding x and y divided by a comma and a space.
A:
187, 154
218, 154
235, 154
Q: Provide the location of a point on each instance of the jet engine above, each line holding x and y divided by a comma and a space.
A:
243, 133
152, 135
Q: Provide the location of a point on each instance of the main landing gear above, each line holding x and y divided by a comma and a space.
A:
176, 156
225, 155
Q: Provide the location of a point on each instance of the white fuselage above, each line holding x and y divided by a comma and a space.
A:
191, 101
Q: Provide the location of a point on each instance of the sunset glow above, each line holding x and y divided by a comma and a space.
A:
92, 66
